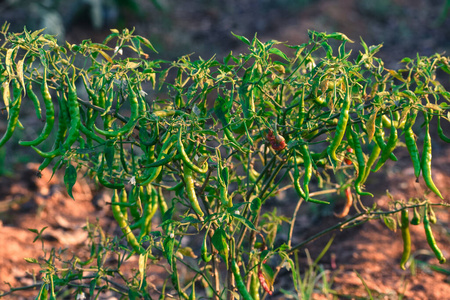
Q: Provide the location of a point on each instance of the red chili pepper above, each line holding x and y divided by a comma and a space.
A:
270, 137
348, 204
263, 282
278, 146
346, 159
277, 142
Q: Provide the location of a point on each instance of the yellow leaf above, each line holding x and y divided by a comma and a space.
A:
106, 56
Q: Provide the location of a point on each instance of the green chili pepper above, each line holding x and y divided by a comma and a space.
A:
164, 161
239, 282
90, 91
128, 127
233, 140
361, 163
379, 139
149, 197
416, 217
224, 198
60, 134
35, 99
341, 126
406, 236
190, 190
205, 256
441, 132
13, 118
430, 239
390, 146
74, 113
103, 181
91, 135
49, 115
6, 93
161, 202
299, 189
145, 138
371, 161
123, 224
135, 198
254, 286
308, 169
425, 162
123, 199
431, 215
154, 172
192, 295
410, 142
186, 159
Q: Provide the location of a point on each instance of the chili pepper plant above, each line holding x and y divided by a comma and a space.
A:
197, 147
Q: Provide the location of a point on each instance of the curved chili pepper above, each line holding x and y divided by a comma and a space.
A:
341, 126
361, 163
154, 172
348, 204
13, 116
410, 142
416, 217
34, 99
308, 169
190, 190
60, 134
74, 113
263, 282
123, 224
390, 146
49, 115
371, 161
441, 132
406, 236
239, 282
430, 239
186, 159
128, 127
425, 162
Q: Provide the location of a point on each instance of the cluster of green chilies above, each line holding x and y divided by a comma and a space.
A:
291, 119
428, 217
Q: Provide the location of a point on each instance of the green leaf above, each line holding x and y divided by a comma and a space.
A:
187, 251
31, 260
268, 273
92, 286
225, 176
142, 266
43, 57
241, 38
147, 43
278, 52
190, 220
168, 249
168, 214
109, 155
219, 241
339, 36
391, 223
220, 109
328, 49
255, 205
244, 221
70, 177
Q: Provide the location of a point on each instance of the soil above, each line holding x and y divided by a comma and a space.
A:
361, 259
